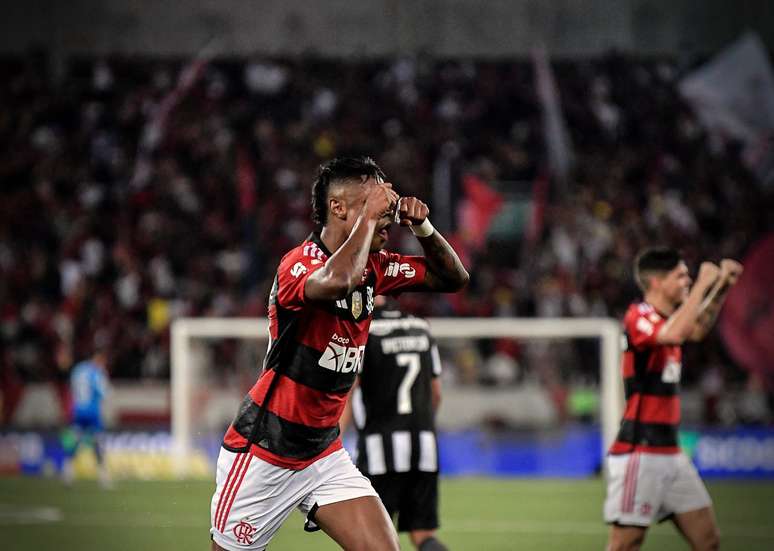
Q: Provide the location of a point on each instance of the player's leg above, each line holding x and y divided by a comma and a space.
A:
71, 441
691, 507
625, 538
635, 492
347, 508
252, 499
360, 524
699, 528
425, 540
419, 511
95, 438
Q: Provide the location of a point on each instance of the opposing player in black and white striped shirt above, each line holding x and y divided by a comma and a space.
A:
394, 409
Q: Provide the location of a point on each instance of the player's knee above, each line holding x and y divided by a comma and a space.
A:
631, 542
379, 542
711, 540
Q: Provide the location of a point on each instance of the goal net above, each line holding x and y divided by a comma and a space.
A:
206, 389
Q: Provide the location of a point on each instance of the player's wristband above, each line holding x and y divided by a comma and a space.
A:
425, 229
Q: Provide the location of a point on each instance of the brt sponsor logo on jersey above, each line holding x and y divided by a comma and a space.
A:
394, 269
340, 358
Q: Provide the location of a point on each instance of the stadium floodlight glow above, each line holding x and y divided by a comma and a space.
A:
607, 330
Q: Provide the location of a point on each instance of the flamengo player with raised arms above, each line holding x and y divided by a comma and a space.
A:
283, 451
648, 478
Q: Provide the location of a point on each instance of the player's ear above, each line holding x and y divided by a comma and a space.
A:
337, 207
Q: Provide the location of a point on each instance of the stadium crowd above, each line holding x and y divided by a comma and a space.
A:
129, 197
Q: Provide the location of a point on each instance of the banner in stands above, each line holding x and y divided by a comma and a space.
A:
568, 452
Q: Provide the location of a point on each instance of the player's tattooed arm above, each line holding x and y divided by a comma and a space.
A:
730, 270
445, 271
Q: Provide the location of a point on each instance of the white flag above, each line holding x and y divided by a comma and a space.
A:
733, 95
560, 156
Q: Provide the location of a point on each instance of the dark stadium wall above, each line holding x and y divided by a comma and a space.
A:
381, 27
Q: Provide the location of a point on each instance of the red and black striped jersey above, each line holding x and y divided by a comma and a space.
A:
651, 373
290, 416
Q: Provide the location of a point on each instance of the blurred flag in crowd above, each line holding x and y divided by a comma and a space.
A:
747, 320
733, 96
156, 125
555, 133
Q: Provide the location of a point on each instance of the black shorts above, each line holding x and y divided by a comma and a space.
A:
413, 496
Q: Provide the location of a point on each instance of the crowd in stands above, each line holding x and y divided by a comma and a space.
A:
130, 195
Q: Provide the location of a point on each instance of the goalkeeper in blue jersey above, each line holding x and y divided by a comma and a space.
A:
89, 386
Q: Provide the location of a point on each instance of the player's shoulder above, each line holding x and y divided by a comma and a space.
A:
639, 309
307, 251
642, 316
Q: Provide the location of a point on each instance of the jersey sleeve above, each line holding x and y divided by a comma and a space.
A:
292, 273
397, 273
642, 328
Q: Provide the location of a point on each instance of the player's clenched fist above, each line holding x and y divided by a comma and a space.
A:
730, 270
412, 211
380, 200
708, 273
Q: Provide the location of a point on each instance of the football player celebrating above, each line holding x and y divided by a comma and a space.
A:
648, 478
283, 451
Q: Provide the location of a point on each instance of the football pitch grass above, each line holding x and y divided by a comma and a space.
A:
479, 514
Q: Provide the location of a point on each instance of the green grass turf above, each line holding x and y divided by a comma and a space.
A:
476, 514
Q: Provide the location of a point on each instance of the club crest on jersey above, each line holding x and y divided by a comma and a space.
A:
357, 304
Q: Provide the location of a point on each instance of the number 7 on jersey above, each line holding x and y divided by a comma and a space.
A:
413, 365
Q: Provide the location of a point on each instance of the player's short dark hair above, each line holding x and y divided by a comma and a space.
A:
338, 170
655, 260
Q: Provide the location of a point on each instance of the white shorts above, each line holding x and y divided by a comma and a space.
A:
259, 496
647, 487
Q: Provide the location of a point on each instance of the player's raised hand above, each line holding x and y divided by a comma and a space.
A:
730, 270
380, 200
412, 211
708, 274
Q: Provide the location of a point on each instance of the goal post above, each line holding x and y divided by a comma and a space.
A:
607, 330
